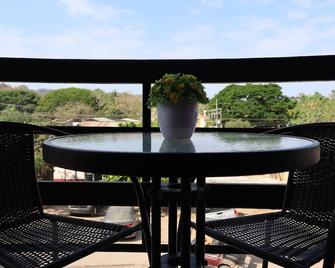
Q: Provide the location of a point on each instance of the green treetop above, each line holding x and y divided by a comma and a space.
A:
60, 97
22, 99
263, 105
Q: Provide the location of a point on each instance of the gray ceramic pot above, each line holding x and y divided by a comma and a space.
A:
177, 121
177, 146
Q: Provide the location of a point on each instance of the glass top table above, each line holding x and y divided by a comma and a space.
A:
206, 154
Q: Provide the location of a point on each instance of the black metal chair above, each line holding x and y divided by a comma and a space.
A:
303, 232
28, 236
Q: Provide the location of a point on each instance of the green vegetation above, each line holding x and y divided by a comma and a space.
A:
126, 105
262, 105
238, 123
43, 170
242, 106
130, 124
65, 96
314, 108
23, 100
14, 115
48, 107
115, 178
249, 105
74, 111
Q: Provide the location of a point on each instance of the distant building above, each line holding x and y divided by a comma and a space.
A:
104, 122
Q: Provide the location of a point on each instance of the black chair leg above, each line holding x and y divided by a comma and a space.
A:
144, 215
200, 235
265, 264
172, 250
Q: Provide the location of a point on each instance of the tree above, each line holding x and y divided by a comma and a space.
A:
54, 99
75, 110
23, 100
105, 102
238, 123
130, 124
11, 114
43, 170
118, 105
263, 105
128, 105
313, 108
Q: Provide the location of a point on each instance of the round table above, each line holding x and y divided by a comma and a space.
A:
206, 154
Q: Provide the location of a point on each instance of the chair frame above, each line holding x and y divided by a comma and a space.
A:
329, 250
14, 242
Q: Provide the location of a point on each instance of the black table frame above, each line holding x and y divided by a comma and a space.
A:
186, 166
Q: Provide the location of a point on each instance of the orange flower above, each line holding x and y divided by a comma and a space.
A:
174, 97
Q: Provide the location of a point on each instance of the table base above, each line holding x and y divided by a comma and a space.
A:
179, 252
167, 261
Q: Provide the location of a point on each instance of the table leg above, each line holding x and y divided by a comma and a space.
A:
156, 222
185, 222
144, 215
172, 243
200, 220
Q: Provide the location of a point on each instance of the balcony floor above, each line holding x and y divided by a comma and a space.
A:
139, 260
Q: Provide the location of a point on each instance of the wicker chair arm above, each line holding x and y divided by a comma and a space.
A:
329, 260
48, 130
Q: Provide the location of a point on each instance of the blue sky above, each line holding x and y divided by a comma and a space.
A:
169, 29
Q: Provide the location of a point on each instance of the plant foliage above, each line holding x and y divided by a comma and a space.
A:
177, 88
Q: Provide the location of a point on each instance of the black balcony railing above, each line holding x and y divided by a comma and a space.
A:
285, 69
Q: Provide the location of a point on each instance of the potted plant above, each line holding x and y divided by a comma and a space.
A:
176, 97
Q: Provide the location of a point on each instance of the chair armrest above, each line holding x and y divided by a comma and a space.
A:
329, 259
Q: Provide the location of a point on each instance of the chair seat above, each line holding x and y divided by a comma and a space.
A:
281, 237
43, 239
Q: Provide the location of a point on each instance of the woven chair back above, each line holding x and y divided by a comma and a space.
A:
19, 196
310, 193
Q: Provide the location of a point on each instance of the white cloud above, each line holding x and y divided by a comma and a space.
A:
199, 34
200, 42
212, 3
252, 37
246, 37
297, 14
257, 2
304, 3
194, 11
314, 3
260, 25
123, 38
285, 40
322, 22
255, 37
88, 9
102, 42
